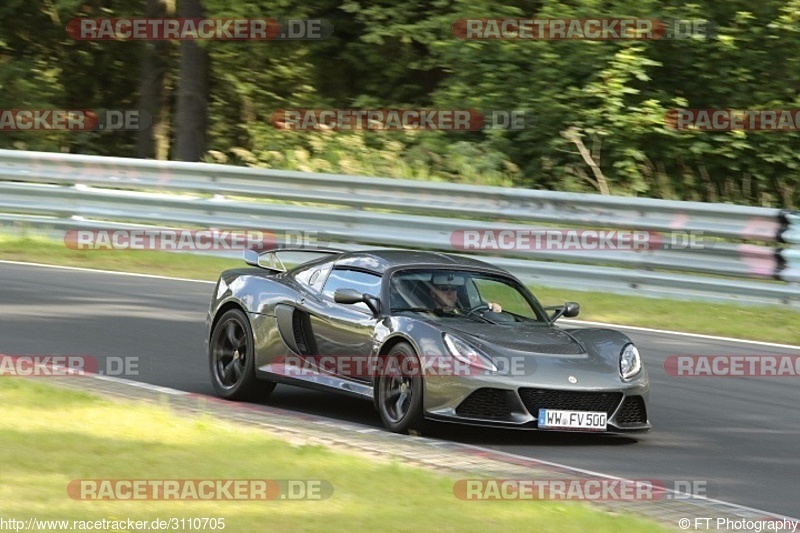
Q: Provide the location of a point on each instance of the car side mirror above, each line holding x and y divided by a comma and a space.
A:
568, 310
352, 296
571, 309
347, 296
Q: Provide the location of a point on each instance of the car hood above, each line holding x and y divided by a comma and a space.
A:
540, 339
527, 353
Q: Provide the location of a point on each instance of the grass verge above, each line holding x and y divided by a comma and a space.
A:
52, 436
762, 323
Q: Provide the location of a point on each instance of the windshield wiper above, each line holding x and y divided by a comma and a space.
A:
418, 309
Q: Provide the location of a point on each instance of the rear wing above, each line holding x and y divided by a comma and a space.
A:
271, 260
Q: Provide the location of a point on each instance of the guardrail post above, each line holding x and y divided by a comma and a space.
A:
790, 222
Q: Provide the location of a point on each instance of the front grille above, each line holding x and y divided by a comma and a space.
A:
632, 412
535, 399
486, 403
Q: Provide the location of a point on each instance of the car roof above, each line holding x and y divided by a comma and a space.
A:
380, 260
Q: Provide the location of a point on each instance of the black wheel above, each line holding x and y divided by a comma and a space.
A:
232, 361
398, 390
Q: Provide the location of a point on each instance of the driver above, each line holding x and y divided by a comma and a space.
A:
446, 297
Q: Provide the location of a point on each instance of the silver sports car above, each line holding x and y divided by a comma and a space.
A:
425, 336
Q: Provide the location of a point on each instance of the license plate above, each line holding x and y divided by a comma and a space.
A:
587, 420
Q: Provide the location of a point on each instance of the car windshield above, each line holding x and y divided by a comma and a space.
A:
462, 294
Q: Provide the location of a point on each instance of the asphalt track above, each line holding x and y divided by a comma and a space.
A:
740, 435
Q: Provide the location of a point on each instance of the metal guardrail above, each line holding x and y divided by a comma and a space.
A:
751, 254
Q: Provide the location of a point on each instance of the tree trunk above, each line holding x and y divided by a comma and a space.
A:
152, 140
190, 130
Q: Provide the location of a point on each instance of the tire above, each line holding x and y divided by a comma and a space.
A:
232, 361
399, 389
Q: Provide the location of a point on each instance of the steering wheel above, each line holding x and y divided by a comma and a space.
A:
478, 309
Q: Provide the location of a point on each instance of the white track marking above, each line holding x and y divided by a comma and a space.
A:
141, 385
753, 510
681, 334
742, 508
121, 381
82, 269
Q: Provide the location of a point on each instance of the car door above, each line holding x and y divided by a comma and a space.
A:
344, 332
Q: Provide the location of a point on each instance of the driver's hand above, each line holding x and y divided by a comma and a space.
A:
495, 307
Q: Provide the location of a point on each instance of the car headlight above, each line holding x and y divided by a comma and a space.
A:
467, 354
630, 363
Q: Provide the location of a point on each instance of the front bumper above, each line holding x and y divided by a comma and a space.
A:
518, 406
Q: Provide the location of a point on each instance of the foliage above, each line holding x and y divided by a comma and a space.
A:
600, 106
